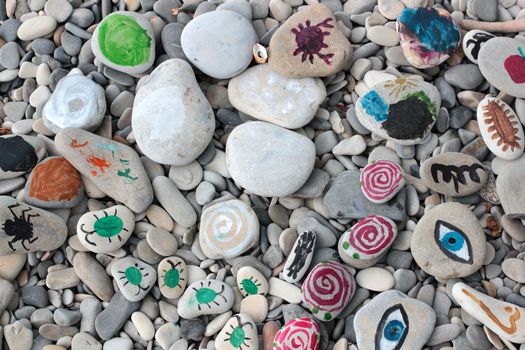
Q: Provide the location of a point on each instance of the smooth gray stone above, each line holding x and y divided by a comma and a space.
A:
464, 76
192, 329
171, 34
10, 56
477, 337
399, 259
111, 320
70, 43
82, 17
448, 95
9, 28
347, 186
64, 317
35, 296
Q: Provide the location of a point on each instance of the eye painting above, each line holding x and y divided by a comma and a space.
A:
393, 329
453, 242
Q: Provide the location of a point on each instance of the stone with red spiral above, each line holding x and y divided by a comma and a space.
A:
298, 334
328, 289
381, 180
367, 241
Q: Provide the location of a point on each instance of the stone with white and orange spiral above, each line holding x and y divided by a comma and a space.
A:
228, 229
328, 289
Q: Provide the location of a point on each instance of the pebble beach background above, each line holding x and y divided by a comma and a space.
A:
262, 174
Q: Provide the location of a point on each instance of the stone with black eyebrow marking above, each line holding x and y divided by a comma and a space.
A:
453, 174
448, 242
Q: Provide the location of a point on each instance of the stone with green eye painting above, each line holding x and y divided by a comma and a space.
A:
104, 231
173, 277
125, 41
134, 277
251, 282
205, 297
238, 333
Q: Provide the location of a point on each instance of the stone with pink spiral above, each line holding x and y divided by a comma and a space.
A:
381, 180
328, 289
298, 334
365, 243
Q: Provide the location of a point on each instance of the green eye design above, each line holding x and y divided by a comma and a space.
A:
172, 278
250, 286
109, 226
133, 275
206, 296
237, 334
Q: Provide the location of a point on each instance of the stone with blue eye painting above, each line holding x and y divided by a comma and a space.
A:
402, 110
448, 242
392, 321
427, 36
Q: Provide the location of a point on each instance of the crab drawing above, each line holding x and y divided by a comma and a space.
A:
310, 40
20, 227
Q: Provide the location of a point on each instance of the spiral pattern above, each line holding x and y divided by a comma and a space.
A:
327, 289
371, 236
228, 229
381, 180
300, 333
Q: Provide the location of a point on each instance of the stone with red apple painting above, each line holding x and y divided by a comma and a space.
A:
502, 62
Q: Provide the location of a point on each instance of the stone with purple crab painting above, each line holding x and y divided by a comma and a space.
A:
428, 36
402, 110
309, 44
502, 62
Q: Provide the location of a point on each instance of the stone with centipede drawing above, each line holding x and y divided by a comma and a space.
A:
500, 128
505, 319
104, 231
328, 289
365, 243
228, 229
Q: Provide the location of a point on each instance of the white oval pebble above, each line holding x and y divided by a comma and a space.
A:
375, 278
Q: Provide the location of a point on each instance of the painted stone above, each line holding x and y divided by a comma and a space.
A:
365, 243
510, 188
392, 320
328, 289
501, 60
251, 282
173, 276
206, 297
219, 43
113, 167
170, 96
269, 96
309, 44
381, 180
500, 128
54, 183
448, 242
239, 332
124, 41
134, 277
346, 185
402, 110
104, 231
473, 40
76, 102
300, 257
453, 174
228, 229
19, 154
24, 228
428, 36
505, 319
298, 334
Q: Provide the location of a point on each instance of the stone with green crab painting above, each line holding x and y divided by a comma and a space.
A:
125, 41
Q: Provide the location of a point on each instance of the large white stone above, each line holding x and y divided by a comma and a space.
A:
172, 119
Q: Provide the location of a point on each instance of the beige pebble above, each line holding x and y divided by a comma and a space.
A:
159, 217
11, 265
143, 325
255, 306
375, 278
161, 241
217, 323
287, 291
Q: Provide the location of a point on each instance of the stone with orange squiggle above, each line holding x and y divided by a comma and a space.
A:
502, 318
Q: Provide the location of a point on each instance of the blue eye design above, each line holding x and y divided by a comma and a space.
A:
453, 242
393, 329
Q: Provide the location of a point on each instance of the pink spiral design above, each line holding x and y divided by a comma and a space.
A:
381, 180
298, 334
328, 287
372, 234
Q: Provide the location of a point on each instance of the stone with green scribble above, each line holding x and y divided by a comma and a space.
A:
123, 41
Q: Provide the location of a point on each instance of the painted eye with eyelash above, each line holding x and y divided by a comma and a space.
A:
393, 329
453, 242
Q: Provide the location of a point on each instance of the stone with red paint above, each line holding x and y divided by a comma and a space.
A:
113, 167
298, 334
309, 44
381, 180
54, 183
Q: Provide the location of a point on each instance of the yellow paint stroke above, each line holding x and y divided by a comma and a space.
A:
512, 319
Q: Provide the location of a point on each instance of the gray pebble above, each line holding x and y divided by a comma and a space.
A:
404, 280
171, 40
192, 329
259, 8
459, 116
10, 56
251, 261
163, 9
89, 309
77, 31
119, 77
111, 320
43, 46
35, 296
477, 337
9, 28
82, 17
448, 95
464, 76
65, 317
59, 9
41, 316
443, 333
70, 43
399, 259
273, 256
